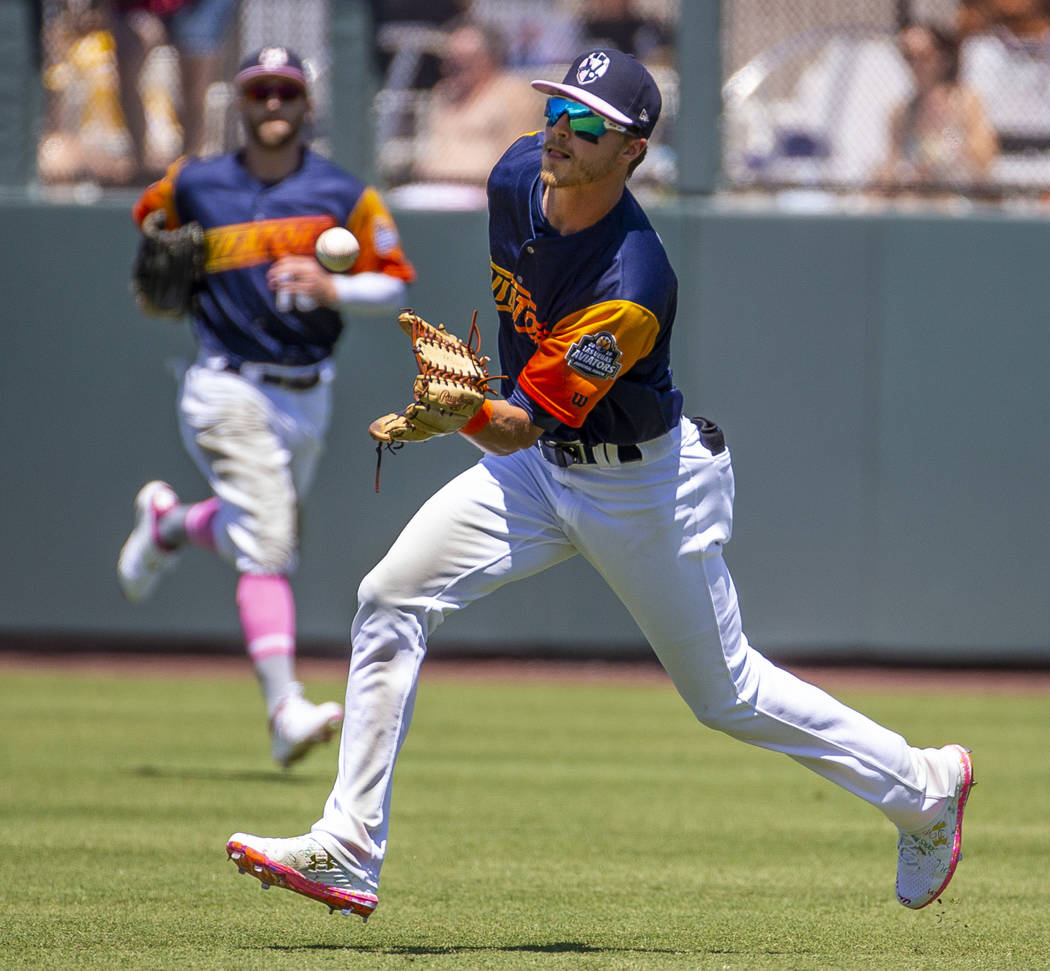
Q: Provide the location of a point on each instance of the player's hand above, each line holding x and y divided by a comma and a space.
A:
303, 276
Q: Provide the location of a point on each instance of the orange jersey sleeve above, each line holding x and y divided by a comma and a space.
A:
381, 250
159, 195
577, 362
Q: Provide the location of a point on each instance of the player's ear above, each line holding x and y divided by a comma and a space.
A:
634, 148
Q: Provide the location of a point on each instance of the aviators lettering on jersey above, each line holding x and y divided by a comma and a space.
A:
595, 356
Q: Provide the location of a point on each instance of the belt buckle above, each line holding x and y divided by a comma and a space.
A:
563, 454
573, 452
570, 453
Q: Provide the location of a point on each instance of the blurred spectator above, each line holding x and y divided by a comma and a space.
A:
972, 17
404, 30
476, 110
616, 23
1009, 67
940, 138
197, 29
84, 137
535, 32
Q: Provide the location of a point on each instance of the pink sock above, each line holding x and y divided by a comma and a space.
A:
267, 611
199, 518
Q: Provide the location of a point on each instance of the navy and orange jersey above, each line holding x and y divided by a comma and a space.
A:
585, 319
248, 225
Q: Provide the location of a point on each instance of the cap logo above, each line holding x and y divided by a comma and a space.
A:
592, 67
643, 117
273, 57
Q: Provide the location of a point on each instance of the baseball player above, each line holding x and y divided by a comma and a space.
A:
254, 406
588, 453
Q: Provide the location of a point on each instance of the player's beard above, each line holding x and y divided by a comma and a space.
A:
580, 172
275, 133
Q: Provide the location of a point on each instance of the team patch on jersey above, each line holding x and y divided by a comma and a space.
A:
384, 237
595, 356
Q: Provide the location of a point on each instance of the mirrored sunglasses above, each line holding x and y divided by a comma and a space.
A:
584, 122
265, 91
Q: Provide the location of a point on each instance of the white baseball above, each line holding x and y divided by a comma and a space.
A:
336, 249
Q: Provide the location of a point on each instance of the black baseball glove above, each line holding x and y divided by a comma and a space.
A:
168, 267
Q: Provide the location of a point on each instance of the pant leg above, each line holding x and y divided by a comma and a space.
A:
494, 523
258, 448
657, 540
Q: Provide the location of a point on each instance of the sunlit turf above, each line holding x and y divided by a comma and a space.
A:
535, 824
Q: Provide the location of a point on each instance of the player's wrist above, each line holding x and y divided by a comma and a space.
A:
480, 420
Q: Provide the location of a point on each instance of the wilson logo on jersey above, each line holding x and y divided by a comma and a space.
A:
595, 356
516, 301
248, 244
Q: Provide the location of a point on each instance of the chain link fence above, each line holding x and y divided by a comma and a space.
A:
132, 84
455, 84
831, 95
818, 94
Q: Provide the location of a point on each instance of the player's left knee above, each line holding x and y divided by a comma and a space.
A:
270, 538
278, 552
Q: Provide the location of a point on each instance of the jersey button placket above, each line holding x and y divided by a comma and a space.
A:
527, 250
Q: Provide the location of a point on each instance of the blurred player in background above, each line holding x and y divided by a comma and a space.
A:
254, 407
589, 454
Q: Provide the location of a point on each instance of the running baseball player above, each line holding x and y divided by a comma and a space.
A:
254, 406
588, 453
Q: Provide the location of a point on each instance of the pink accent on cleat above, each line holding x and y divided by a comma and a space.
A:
272, 873
927, 859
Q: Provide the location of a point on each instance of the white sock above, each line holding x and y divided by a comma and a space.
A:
276, 674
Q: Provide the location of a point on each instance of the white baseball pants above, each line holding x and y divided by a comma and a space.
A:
654, 530
258, 446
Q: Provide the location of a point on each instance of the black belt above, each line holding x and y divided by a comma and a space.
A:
564, 454
289, 382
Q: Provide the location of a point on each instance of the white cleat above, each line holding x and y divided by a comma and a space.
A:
302, 864
141, 560
298, 725
926, 860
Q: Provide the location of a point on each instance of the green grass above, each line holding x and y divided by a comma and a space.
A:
534, 825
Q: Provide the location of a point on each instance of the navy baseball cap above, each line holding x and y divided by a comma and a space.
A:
614, 85
271, 62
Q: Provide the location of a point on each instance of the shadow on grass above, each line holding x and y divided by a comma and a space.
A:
290, 777
556, 947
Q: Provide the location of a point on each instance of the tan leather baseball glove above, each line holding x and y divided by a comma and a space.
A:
449, 389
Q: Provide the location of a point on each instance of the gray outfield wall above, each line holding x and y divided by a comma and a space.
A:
882, 382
